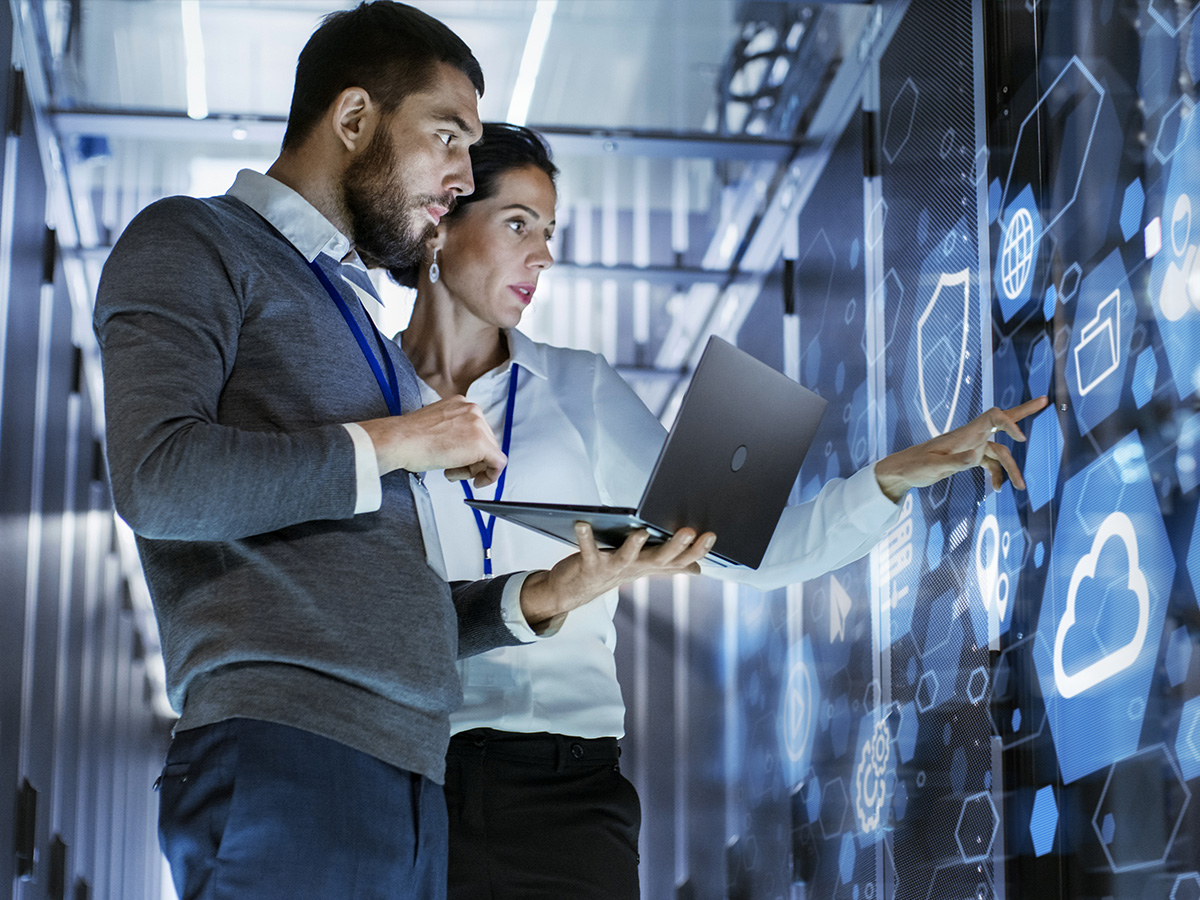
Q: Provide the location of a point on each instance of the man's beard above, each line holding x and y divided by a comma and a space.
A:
380, 210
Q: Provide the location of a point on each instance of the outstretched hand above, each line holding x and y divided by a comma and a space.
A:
958, 450
587, 574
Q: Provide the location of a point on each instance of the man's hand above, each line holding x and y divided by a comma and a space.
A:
587, 574
450, 434
958, 450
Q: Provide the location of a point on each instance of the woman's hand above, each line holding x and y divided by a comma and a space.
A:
585, 575
958, 450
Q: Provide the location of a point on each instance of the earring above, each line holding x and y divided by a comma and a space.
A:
434, 272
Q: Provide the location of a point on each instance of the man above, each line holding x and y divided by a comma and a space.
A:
262, 440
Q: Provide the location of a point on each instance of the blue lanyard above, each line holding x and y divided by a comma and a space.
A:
389, 386
486, 530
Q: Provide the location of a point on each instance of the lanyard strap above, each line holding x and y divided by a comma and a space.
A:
389, 386
486, 530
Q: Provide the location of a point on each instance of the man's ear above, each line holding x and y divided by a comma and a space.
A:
354, 116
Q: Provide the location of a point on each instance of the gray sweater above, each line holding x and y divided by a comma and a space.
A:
228, 373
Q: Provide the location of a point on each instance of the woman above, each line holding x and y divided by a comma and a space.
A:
538, 807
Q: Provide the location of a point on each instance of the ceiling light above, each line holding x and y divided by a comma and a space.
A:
531, 61
193, 53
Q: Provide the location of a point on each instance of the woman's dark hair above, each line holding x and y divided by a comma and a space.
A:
388, 49
503, 148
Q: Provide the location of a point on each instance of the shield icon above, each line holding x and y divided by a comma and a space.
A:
937, 342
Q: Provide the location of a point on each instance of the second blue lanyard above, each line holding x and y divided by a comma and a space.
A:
486, 529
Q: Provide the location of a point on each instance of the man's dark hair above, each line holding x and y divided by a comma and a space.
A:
386, 48
503, 148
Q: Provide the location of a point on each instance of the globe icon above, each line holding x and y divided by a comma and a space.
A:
1016, 253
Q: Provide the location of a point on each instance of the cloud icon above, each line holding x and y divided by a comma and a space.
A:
1117, 525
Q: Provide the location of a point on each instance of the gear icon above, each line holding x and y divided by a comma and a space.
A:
870, 777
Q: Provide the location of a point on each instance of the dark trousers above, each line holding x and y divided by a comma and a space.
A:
250, 810
540, 817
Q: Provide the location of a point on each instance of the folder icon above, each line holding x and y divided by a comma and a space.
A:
1097, 353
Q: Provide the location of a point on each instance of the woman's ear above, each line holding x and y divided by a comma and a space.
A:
438, 241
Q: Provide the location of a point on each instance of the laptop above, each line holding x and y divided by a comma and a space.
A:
727, 466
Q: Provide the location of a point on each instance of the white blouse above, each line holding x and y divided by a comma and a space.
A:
581, 435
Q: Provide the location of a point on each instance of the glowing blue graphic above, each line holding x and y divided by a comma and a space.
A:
801, 699
906, 734
1193, 559
1049, 305
941, 652
873, 768
1043, 457
1174, 287
900, 801
833, 808
1105, 316
1131, 209
1179, 655
999, 554
846, 858
934, 545
1187, 740
939, 396
1173, 130
900, 120
1068, 109
1187, 453
1044, 821
976, 830
1102, 613
1187, 885
1116, 526
1041, 361
1021, 231
903, 546
1132, 834
1145, 375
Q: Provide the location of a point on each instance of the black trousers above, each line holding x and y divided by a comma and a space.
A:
540, 816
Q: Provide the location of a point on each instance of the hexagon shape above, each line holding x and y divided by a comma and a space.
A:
1074, 89
1133, 843
1187, 457
1070, 282
906, 734
1145, 376
1162, 11
1173, 129
1043, 823
1132, 206
927, 691
1043, 457
1186, 887
1021, 233
846, 858
1187, 740
977, 685
976, 829
1121, 539
834, 804
934, 544
1179, 656
900, 118
900, 801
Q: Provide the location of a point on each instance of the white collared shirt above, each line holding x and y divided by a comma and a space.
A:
581, 435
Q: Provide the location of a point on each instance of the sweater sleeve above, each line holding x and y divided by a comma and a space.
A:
168, 315
479, 606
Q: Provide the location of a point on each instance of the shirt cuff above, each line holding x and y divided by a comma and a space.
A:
867, 503
369, 489
514, 618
